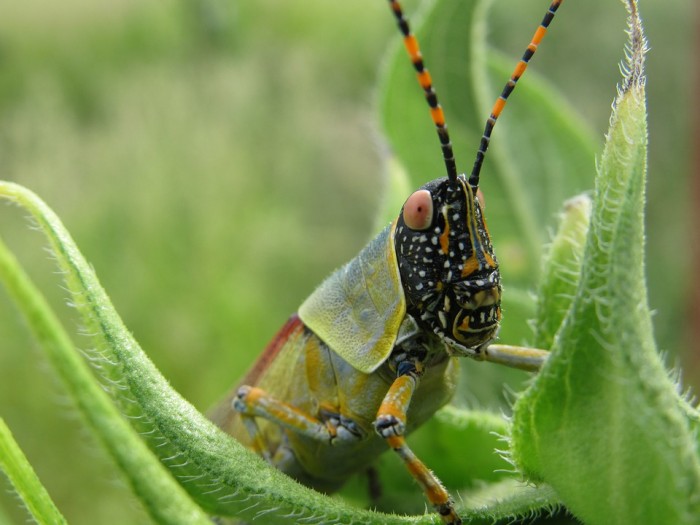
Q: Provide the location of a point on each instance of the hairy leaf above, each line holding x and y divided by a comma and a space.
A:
603, 423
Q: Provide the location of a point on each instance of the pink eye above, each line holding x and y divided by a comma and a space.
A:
418, 210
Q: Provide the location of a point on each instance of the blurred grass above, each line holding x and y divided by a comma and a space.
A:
215, 160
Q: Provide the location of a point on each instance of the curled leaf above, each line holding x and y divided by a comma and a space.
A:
602, 423
562, 270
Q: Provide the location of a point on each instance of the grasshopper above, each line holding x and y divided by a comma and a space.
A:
372, 353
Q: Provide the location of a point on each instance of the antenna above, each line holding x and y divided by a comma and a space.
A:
426, 82
508, 89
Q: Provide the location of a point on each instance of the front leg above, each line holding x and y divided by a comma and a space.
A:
520, 357
391, 425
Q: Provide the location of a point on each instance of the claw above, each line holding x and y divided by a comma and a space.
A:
388, 425
239, 403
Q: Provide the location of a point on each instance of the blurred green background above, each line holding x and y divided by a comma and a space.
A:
216, 159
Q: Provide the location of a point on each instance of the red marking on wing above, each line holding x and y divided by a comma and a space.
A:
293, 325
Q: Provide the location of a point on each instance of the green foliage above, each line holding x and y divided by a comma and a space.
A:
162, 497
562, 270
601, 425
24, 480
603, 422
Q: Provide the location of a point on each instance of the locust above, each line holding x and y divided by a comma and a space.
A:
373, 352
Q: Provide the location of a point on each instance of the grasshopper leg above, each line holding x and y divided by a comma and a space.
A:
254, 402
259, 446
391, 425
523, 358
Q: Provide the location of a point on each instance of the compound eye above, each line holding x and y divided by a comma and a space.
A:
418, 210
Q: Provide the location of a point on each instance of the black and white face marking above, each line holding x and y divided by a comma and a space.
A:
448, 269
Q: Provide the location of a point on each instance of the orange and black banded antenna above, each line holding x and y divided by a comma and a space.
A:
508, 89
426, 82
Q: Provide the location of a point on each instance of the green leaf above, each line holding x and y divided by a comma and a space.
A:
25, 481
161, 495
603, 423
561, 270
513, 497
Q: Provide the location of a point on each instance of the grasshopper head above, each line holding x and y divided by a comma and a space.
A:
448, 269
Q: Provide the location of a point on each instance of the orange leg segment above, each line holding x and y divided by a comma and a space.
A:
520, 357
391, 425
254, 402
433, 489
259, 446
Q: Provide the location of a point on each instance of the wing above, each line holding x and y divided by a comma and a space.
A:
358, 310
